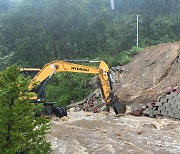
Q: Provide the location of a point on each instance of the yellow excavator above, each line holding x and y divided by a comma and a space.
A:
41, 76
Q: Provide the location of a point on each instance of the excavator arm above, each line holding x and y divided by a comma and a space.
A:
66, 66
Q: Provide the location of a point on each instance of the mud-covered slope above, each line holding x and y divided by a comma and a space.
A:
149, 73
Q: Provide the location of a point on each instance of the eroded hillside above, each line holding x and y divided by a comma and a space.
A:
150, 73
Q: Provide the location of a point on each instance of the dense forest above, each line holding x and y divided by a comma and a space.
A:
35, 32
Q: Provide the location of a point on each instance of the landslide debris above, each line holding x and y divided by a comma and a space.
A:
149, 73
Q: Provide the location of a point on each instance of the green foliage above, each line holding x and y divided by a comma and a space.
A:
125, 56
20, 130
4, 5
120, 58
162, 31
5, 60
66, 87
39, 31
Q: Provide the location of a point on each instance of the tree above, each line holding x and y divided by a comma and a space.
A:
4, 5
35, 32
20, 130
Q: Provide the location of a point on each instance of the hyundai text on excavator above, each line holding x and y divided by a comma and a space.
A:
41, 76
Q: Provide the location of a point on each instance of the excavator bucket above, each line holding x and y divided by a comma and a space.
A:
119, 108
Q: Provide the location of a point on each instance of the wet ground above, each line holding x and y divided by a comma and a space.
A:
104, 133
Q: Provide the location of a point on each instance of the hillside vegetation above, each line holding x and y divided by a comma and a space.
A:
35, 32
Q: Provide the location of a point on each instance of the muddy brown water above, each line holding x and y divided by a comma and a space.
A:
104, 133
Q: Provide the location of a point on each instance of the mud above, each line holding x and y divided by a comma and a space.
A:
100, 133
149, 73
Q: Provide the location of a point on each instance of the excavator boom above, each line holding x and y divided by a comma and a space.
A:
66, 66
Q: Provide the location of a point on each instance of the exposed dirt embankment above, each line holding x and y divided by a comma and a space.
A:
150, 73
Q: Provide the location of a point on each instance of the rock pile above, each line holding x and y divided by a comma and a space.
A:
93, 103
